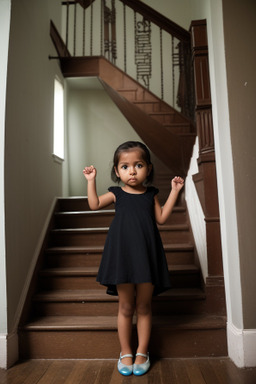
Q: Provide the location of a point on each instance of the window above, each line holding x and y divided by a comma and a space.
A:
58, 134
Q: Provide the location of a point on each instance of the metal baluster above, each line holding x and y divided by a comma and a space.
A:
161, 63
135, 26
67, 23
74, 48
113, 31
91, 38
84, 32
173, 74
124, 15
101, 27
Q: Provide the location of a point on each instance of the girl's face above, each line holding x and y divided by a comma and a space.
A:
132, 168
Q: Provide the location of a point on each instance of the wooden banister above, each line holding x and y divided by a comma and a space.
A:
160, 20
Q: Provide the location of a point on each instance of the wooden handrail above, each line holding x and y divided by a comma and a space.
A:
160, 20
84, 3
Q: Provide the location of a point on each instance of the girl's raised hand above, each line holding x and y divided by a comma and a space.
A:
177, 183
90, 172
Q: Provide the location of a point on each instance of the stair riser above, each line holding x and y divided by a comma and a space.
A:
73, 260
80, 221
93, 260
89, 282
103, 220
110, 308
175, 237
165, 343
87, 308
72, 239
98, 239
77, 204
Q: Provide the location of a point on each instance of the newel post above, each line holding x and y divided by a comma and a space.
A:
205, 181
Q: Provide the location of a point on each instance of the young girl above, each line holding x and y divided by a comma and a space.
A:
133, 261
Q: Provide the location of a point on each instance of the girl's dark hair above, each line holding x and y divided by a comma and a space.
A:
128, 145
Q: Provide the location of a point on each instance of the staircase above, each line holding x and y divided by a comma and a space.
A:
168, 134
71, 317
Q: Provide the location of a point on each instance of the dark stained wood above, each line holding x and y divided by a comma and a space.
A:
165, 371
59, 44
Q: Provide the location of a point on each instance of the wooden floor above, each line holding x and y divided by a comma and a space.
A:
173, 371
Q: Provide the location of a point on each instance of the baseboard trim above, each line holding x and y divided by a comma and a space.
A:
242, 346
9, 350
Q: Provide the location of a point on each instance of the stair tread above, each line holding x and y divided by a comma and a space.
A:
97, 248
104, 211
60, 323
167, 227
85, 213
92, 271
78, 295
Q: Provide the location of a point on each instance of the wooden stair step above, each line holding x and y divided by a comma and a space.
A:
175, 247
75, 277
110, 322
79, 219
92, 271
97, 302
73, 204
100, 295
84, 218
91, 255
97, 236
96, 337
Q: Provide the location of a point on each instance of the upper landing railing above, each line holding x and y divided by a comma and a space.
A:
143, 43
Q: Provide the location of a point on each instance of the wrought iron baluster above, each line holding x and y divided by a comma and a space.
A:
135, 26
113, 31
161, 63
91, 31
74, 40
173, 74
143, 50
84, 32
101, 26
106, 31
124, 19
67, 23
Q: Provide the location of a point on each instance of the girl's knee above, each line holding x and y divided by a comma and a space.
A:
126, 309
143, 308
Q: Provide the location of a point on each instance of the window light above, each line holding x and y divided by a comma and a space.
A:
58, 134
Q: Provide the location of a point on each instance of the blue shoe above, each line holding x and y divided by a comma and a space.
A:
125, 370
140, 369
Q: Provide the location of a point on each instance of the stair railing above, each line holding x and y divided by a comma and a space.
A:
137, 39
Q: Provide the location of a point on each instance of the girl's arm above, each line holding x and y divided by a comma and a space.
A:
96, 202
162, 213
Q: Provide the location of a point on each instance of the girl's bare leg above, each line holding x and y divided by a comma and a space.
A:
144, 294
124, 319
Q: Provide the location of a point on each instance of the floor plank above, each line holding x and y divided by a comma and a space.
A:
165, 371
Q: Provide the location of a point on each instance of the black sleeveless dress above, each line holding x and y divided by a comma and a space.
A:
133, 251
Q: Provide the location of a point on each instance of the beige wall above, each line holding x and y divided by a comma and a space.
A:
239, 32
32, 178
